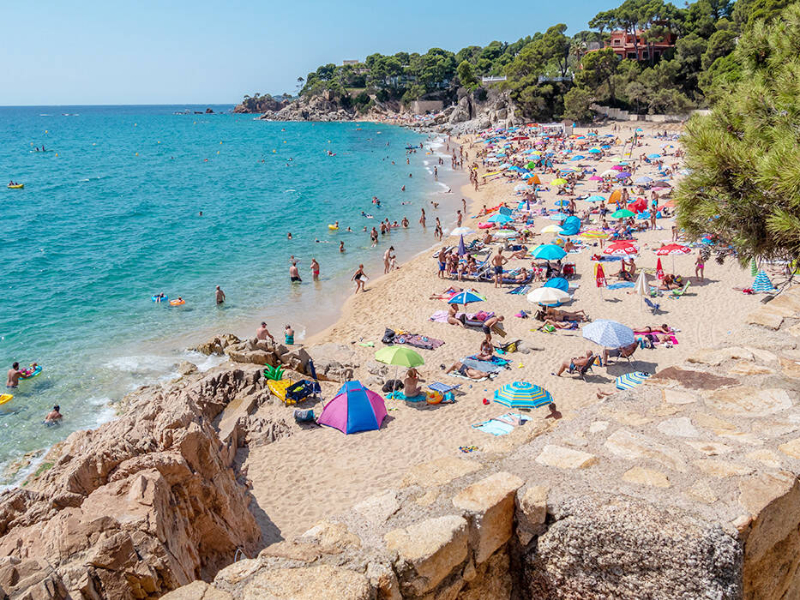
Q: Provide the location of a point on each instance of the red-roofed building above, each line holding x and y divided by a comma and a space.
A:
623, 45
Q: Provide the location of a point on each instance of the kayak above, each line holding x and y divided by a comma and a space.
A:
5, 398
34, 373
177, 302
155, 298
18, 186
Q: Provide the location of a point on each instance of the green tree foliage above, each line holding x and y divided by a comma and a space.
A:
466, 75
576, 104
744, 158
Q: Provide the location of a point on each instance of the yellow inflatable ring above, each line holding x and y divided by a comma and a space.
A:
434, 397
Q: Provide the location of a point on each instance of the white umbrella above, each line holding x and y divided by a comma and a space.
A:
548, 295
504, 233
641, 288
461, 231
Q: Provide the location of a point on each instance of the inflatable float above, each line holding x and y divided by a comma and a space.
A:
5, 398
333, 227
155, 298
16, 186
31, 373
178, 302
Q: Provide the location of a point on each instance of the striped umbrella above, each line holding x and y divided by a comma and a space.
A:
631, 380
466, 297
521, 394
608, 333
593, 234
762, 283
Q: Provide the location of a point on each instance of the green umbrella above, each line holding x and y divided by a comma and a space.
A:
400, 356
622, 213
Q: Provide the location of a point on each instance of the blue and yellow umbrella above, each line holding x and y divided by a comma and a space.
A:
521, 394
631, 380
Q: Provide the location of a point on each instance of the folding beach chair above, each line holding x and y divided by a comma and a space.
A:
581, 372
679, 293
654, 306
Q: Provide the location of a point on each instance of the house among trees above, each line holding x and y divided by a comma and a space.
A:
625, 45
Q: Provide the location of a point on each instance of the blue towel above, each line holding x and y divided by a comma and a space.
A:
484, 366
621, 284
494, 427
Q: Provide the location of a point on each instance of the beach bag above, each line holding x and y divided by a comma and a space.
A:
388, 336
304, 415
392, 385
300, 390
509, 347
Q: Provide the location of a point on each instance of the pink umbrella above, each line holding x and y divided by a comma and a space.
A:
354, 408
617, 168
595, 178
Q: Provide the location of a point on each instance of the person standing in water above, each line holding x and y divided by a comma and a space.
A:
388, 257
314, 269
422, 218
220, 295
459, 218
360, 278
12, 378
54, 416
341, 247
294, 273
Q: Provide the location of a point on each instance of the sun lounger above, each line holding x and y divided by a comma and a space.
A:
581, 371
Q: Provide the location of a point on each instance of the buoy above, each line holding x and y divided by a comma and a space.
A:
220, 142
45, 131
217, 151
135, 124
56, 153
137, 154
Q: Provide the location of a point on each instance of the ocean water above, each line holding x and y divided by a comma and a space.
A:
110, 215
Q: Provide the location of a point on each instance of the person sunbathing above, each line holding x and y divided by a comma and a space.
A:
653, 329
622, 352
521, 253
574, 363
411, 387
465, 371
555, 314
453, 318
669, 283
487, 351
550, 326
522, 275
445, 294
488, 239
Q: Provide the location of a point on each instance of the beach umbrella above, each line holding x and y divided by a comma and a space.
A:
551, 229
595, 151
609, 334
622, 213
608, 173
461, 231
643, 180
578, 157
594, 235
599, 275
535, 180
615, 195
596, 198
558, 217
521, 394
561, 203
659, 269
549, 252
558, 283
595, 178
623, 175
354, 408
462, 249
559, 181
617, 168
642, 288
499, 218
520, 187
505, 233
654, 155
630, 380
673, 250
621, 248
762, 283
466, 297
399, 356
548, 296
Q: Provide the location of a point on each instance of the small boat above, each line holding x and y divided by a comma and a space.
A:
16, 186
5, 398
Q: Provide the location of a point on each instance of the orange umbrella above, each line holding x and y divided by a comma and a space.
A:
615, 195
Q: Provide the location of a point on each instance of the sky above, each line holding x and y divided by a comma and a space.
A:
202, 52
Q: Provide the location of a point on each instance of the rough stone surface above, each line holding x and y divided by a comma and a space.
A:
646, 477
721, 468
439, 471
378, 508
678, 427
565, 458
198, 590
635, 446
428, 551
531, 513
745, 400
307, 583
489, 505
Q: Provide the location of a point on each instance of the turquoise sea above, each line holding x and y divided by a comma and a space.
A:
110, 215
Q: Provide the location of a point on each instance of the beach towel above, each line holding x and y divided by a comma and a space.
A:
440, 316
493, 427
458, 375
419, 341
620, 285
523, 289
484, 366
514, 419
401, 396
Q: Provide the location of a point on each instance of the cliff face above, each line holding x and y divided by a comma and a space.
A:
136, 508
260, 105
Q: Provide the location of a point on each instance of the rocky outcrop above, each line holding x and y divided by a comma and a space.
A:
260, 104
470, 115
322, 107
138, 507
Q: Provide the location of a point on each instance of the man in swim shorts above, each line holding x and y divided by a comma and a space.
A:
220, 295
294, 273
12, 379
262, 333
497, 263
465, 371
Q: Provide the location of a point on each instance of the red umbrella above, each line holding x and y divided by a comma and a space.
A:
672, 250
600, 275
659, 270
621, 248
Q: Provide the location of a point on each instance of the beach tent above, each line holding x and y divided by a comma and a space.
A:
571, 226
762, 283
354, 408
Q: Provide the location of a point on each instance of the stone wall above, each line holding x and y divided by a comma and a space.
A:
421, 107
624, 115
685, 487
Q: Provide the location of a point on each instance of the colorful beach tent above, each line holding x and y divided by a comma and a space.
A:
521, 394
571, 226
762, 283
466, 297
354, 408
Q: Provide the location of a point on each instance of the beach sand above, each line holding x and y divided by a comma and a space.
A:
319, 471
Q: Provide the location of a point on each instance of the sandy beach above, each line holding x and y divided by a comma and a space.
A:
319, 471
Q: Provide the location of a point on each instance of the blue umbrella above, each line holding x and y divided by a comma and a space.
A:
642, 180
595, 150
465, 297
549, 252
608, 333
595, 198
521, 394
631, 380
653, 156
577, 157
462, 249
504, 210
559, 283
558, 217
561, 203
500, 218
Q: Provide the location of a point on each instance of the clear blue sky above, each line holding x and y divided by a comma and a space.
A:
198, 51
